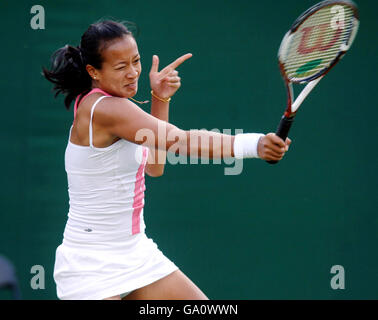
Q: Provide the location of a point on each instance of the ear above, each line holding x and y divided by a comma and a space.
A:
92, 71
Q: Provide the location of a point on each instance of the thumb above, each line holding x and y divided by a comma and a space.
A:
155, 63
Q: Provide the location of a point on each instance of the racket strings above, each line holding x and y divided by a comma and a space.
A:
316, 43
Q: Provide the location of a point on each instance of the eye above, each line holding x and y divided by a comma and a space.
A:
123, 67
136, 60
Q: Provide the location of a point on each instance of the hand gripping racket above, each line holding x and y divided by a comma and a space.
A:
317, 40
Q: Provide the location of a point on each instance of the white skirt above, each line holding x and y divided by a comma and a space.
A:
85, 271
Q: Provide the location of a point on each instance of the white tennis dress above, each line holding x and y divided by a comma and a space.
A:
105, 251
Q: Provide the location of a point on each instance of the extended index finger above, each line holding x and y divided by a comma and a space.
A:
178, 61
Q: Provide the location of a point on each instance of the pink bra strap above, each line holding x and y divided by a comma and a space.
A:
90, 92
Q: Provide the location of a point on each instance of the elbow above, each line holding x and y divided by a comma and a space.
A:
155, 173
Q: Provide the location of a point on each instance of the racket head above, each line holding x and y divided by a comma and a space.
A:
316, 41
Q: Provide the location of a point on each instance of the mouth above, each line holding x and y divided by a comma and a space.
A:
132, 85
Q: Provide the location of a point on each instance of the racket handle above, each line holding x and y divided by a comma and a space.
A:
283, 131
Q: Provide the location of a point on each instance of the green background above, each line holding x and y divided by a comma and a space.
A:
272, 232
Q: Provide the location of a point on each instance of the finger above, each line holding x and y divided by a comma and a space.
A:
172, 79
275, 153
272, 156
268, 156
275, 148
288, 142
276, 140
167, 73
178, 61
268, 144
155, 64
174, 85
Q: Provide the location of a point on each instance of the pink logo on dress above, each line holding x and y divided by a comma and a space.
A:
140, 187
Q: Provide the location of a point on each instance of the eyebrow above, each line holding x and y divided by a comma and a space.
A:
123, 61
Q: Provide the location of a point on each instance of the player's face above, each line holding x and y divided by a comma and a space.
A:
121, 68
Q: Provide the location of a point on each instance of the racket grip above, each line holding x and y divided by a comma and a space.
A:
283, 131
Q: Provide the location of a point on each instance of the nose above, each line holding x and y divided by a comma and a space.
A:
133, 72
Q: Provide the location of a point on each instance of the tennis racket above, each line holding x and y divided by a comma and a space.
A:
317, 40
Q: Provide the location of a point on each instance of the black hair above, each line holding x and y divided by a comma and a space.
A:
68, 64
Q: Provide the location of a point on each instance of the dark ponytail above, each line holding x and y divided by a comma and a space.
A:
68, 73
68, 64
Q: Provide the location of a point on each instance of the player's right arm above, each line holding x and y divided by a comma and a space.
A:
122, 118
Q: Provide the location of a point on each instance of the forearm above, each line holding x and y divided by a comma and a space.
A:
196, 143
200, 143
155, 167
210, 144
160, 109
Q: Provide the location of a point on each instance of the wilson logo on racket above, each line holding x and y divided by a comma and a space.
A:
319, 34
320, 44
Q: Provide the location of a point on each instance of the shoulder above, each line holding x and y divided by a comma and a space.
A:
114, 109
122, 118
114, 103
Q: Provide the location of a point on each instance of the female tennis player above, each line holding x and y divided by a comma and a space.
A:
105, 253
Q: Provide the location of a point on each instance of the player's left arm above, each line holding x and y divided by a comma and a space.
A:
164, 84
